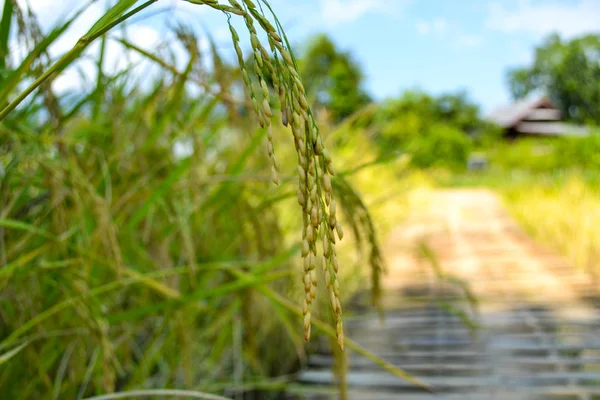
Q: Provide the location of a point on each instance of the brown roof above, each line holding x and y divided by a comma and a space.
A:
512, 114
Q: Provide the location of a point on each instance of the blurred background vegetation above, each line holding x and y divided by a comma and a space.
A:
142, 244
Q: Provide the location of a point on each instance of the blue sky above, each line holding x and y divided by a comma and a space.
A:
442, 45
435, 45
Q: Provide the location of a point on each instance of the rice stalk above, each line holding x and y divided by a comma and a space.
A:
139, 260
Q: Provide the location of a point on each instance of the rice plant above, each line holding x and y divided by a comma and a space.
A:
560, 212
129, 266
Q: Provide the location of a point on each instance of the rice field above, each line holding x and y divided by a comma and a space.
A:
159, 236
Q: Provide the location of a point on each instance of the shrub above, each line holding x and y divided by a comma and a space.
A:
440, 146
579, 152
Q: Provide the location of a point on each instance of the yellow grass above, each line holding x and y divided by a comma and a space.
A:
565, 217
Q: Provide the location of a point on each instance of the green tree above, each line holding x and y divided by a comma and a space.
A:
441, 145
460, 111
434, 130
333, 79
401, 120
568, 72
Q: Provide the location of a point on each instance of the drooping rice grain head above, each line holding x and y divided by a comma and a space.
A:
315, 168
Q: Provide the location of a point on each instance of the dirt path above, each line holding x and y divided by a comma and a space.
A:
474, 238
538, 334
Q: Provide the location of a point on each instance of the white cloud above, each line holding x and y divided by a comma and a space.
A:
436, 26
541, 18
423, 28
72, 77
440, 27
222, 34
470, 41
144, 36
342, 11
44, 8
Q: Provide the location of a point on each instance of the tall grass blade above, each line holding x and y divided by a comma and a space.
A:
11, 353
17, 75
110, 16
5, 24
72, 55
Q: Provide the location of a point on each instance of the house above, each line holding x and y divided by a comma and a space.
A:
534, 118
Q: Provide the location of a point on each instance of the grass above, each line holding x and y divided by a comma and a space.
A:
562, 215
550, 187
556, 206
127, 266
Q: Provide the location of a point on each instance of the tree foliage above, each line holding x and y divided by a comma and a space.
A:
568, 72
455, 109
333, 79
400, 121
442, 145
